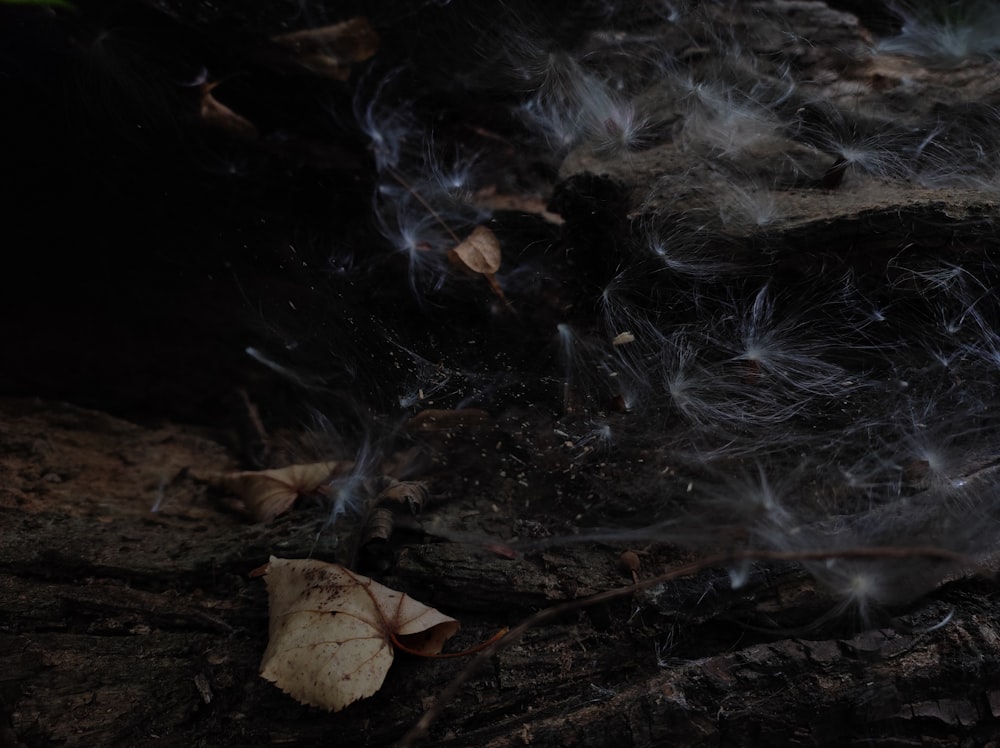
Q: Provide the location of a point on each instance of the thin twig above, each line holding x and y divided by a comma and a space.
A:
723, 559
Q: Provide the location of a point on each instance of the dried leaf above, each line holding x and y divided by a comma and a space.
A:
410, 493
330, 50
353, 40
331, 632
378, 527
269, 493
216, 114
479, 252
325, 65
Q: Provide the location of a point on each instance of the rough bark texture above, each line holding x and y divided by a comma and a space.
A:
127, 616
123, 626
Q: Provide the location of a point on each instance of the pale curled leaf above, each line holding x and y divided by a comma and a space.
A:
269, 493
378, 527
330, 634
479, 252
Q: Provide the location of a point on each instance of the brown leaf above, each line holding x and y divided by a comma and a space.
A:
331, 632
269, 493
330, 50
325, 65
378, 527
216, 114
479, 252
410, 493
